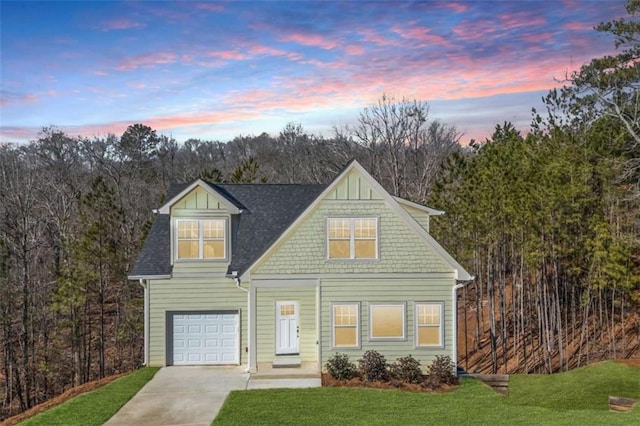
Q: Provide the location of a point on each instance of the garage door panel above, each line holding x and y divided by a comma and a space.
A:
205, 339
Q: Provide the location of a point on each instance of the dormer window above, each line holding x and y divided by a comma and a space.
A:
352, 238
201, 239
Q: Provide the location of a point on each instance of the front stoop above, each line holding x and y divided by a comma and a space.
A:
268, 376
289, 361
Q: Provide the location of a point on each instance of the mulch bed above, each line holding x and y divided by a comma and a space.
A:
66, 395
357, 382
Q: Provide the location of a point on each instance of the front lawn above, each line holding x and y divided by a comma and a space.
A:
98, 406
576, 397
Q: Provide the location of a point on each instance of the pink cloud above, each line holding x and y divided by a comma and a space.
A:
310, 40
121, 24
578, 26
510, 21
211, 7
420, 33
354, 49
9, 98
371, 37
148, 60
456, 7
227, 54
100, 73
537, 38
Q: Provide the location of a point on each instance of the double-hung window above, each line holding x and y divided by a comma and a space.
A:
429, 324
352, 238
201, 239
346, 325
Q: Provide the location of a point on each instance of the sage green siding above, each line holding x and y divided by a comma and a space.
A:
191, 294
401, 250
266, 299
419, 216
366, 291
353, 187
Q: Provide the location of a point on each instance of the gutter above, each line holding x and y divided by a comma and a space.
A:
454, 318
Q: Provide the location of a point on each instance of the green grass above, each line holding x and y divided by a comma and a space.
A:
576, 397
96, 407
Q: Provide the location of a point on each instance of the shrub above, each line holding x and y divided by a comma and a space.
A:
340, 368
407, 369
373, 367
440, 372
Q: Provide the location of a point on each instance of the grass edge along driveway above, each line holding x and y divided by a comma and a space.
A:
98, 406
576, 397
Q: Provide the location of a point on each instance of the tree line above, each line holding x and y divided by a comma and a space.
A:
548, 223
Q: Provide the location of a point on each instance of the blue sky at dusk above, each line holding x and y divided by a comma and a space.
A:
215, 70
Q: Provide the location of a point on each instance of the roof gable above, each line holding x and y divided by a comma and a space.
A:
201, 195
354, 182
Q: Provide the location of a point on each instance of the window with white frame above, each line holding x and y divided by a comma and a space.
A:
429, 324
346, 325
201, 239
387, 321
352, 238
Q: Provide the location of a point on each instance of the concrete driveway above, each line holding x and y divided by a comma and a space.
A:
181, 396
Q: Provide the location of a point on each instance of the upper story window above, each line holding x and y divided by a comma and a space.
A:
352, 238
201, 239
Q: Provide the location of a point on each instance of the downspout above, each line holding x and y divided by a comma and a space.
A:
145, 286
236, 279
454, 319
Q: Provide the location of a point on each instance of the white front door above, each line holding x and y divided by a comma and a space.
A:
287, 328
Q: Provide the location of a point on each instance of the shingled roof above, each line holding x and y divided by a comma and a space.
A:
267, 210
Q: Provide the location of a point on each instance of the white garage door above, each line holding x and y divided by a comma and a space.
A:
205, 338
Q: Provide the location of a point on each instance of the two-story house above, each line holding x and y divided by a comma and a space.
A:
263, 274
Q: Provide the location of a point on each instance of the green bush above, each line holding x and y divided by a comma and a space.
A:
340, 368
407, 369
440, 372
373, 367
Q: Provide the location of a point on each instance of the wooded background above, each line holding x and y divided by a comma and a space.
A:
547, 222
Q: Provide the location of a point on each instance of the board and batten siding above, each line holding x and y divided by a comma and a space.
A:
401, 250
266, 299
191, 294
401, 290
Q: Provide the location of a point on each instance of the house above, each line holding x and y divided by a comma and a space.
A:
261, 275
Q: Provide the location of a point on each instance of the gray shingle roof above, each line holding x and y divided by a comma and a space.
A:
155, 257
267, 211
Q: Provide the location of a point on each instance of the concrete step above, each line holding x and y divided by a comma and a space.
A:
287, 361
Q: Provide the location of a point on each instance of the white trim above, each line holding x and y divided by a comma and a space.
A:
361, 276
148, 277
459, 272
252, 338
358, 344
231, 208
404, 321
441, 344
429, 210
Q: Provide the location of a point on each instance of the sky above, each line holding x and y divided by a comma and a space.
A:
217, 70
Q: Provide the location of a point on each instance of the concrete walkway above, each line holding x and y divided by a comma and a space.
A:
194, 395
181, 396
